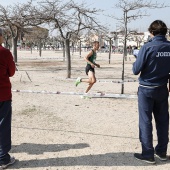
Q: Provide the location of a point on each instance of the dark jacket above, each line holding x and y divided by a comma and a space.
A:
7, 69
153, 62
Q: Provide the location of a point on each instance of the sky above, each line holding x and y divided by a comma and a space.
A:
108, 7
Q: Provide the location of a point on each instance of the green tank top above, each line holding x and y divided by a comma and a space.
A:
92, 58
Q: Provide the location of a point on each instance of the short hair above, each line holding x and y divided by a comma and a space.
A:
95, 42
158, 27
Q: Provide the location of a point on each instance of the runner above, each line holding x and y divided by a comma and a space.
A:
90, 59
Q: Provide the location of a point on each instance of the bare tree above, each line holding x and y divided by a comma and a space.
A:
110, 36
16, 17
36, 34
133, 10
12, 17
69, 18
7, 38
137, 37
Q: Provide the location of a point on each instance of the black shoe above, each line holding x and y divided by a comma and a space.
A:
12, 161
162, 156
141, 158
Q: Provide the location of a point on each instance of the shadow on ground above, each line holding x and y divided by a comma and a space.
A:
37, 149
108, 159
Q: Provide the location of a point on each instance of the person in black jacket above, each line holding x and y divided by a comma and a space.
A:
153, 64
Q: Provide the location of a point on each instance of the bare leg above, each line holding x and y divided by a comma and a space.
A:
91, 80
86, 80
89, 87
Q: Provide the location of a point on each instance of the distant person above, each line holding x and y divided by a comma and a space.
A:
91, 64
7, 69
153, 64
130, 50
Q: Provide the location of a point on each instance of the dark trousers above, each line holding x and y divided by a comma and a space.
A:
153, 100
5, 130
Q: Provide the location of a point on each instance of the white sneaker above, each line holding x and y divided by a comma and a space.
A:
85, 97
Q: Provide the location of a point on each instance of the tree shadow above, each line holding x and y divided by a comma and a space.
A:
106, 160
37, 149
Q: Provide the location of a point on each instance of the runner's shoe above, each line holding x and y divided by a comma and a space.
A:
78, 81
85, 97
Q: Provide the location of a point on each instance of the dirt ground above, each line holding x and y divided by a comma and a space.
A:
66, 132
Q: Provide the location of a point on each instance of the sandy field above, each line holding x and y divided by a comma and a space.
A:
66, 132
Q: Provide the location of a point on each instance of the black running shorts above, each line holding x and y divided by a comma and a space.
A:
89, 68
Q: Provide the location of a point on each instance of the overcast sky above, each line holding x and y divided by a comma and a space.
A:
109, 9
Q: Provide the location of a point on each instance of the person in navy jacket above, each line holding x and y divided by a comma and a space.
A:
7, 69
153, 65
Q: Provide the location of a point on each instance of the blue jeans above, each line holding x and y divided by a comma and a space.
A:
153, 100
5, 130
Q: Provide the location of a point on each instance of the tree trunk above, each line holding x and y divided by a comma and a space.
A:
31, 47
124, 52
44, 46
72, 49
110, 49
125, 48
63, 51
40, 50
123, 75
68, 56
80, 49
14, 48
